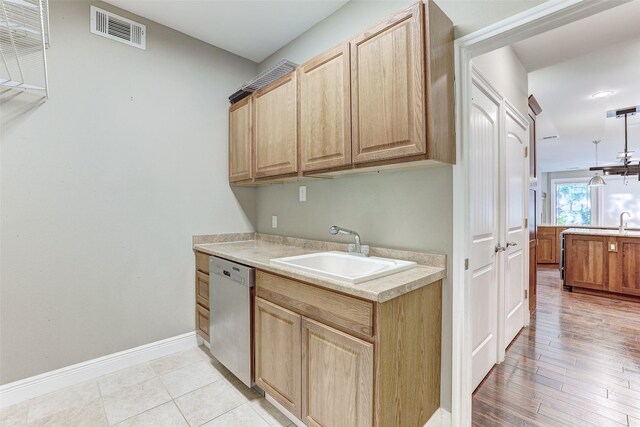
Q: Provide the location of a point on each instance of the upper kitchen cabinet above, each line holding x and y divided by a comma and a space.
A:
402, 88
385, 98
275, 128
325, 111
240, 141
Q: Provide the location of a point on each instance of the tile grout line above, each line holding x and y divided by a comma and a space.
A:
180, 410
104, 410
226, 412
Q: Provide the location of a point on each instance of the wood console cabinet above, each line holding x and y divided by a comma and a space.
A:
336, 360
624, 269
604, 264
587, 261
384, 98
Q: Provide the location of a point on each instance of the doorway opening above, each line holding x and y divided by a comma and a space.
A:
489, 110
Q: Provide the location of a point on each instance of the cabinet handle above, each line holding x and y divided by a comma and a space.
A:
499, 248
509, 244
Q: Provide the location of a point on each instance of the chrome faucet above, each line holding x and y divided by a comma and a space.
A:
622, 223
357, 249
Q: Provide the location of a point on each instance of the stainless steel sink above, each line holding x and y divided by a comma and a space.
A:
344, 267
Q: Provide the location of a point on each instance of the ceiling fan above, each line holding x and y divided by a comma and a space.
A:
628, 167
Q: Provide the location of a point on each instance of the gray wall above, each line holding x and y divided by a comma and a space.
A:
102, 188
403, 210
410, 209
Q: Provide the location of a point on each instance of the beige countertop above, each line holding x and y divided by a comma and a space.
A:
256, 250
602, 232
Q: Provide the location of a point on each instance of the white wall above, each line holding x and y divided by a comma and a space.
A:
340, 26
620, 195
102, 188
503, 69
609, 201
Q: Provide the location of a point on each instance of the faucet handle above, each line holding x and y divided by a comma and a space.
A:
364, 249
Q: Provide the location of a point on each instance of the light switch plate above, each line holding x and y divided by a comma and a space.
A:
274, 221
303, 193
613, 246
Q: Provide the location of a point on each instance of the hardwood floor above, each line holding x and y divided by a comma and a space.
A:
577, 364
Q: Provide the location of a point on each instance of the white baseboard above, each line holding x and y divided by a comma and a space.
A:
440, 418
47, 382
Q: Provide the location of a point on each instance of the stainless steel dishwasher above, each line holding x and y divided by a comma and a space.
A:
230, 320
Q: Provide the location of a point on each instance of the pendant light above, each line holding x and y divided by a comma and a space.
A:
597, 180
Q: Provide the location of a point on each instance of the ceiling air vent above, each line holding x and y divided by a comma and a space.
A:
114, 27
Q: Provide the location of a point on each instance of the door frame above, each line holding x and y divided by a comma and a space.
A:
531, 22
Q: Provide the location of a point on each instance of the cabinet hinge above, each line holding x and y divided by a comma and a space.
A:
526, 223
466, 263
526, 151
526, 294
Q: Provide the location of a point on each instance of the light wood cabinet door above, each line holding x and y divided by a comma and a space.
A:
240, 141
202, 321
586, 261
337, 378
202, 289
387, 88
275, 128
325, 111
278, 354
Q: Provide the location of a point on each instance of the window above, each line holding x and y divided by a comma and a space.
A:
572, 203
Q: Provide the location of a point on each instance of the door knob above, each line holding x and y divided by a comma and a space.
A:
500, 248
509, 244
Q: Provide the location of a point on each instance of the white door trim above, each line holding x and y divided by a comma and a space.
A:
533, 21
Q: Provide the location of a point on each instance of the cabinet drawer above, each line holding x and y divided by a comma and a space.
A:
202, 289
547, 231
340, 311
202, 321
202, 262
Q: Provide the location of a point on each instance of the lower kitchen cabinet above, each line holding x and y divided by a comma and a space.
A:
277, 354
202, 295
335, 360
587, 261
603, 264
337, 377
547, 247
624, 276
202, 322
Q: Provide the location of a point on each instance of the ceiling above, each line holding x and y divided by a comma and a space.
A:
569, 65
253, 29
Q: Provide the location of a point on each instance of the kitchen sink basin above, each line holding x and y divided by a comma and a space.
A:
343, 266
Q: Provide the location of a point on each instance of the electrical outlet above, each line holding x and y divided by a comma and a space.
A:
274, 221
303, 193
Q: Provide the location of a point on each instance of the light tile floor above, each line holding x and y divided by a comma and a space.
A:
184, 389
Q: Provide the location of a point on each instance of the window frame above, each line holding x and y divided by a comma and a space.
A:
594, 194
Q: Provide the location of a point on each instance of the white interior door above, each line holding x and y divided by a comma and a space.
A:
484, 225
515, 238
